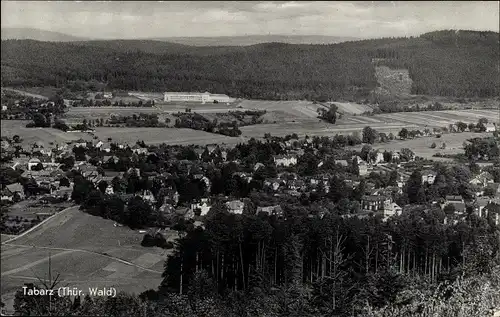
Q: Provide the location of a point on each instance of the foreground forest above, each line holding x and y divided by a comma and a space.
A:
307, 266
445, 63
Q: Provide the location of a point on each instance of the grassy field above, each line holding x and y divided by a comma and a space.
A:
422, 146
424, 118
316, 128
88, 251
163, 135
352, 108
295, 109
9, 128
77, 114
282, 118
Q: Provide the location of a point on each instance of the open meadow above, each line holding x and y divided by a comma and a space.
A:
86, 250
164, 135
75, 115
281, 118
425, 118
422, 146
317, 128
295, 109
9, 128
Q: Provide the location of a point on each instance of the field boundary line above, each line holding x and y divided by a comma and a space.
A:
87, 251
38, 225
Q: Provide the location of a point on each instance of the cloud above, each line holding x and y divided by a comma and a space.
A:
133, 19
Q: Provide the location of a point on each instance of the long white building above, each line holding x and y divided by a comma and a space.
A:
195, 97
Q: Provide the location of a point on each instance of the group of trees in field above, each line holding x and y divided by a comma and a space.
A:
393, 106
197, 121
136, 120
329, 115
482, 148
443, 63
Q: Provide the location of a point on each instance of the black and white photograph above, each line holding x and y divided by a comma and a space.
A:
250, 158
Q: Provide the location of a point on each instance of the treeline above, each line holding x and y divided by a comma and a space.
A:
140, 120
271, 71
109, 103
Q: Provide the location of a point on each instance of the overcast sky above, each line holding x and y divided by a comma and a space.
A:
218, 18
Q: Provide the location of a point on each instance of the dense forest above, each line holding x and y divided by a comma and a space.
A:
445, 63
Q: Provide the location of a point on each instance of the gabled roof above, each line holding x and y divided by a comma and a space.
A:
16, 187
374, 198
454, 198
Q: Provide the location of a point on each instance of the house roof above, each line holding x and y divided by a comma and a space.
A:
428, 172
16, 187
374, 198
494, 186
458, 206
482, 201
176, 93
270, 209
450, 197
235, 204
341, 162
484, 176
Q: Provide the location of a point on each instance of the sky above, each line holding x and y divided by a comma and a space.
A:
364, 19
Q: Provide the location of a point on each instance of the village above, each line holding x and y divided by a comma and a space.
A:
177, 182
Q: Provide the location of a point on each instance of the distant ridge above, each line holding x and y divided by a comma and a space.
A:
245, 40
39, 35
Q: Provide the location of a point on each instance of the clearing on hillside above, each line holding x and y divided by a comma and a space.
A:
393, 81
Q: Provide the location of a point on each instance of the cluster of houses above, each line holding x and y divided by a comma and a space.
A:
46, 173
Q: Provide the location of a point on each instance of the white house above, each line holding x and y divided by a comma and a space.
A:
379, 157
204, 206
490, 127
195, 97
235, 206
428, 176
482, 179
32, 163
285, 160
109, 190
391, 209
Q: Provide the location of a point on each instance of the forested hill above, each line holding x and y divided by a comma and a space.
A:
446, 63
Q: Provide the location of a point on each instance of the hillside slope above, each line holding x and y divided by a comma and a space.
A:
445, 63
37, 34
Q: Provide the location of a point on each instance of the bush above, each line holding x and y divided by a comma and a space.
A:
433, 145
158, 240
